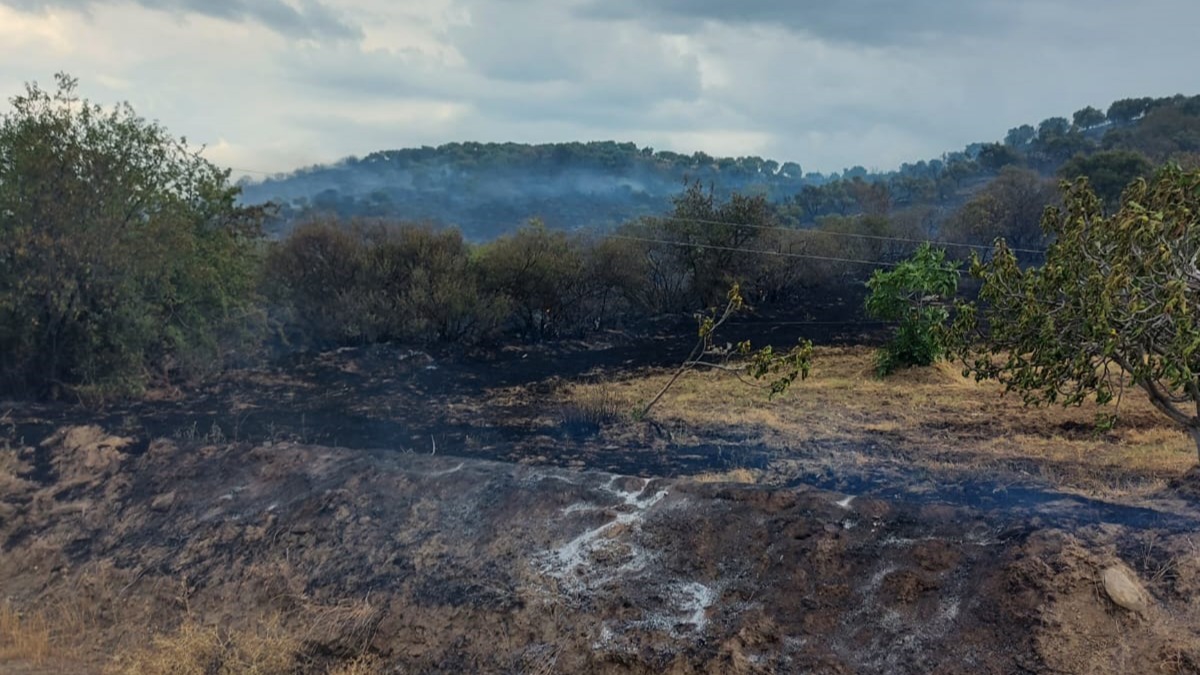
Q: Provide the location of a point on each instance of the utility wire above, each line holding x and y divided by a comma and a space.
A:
981, 247
784, 254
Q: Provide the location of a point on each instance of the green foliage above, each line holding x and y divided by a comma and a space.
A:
1118, 294
1107, 172
994, 156
1086, 118
122, 252
914, 293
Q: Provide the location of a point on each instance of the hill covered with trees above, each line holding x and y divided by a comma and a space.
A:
487, 189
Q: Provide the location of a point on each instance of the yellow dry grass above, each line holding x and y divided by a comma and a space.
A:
933, 415
733, 476
196, 649
23, 637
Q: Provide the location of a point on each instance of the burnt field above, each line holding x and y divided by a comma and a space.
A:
390, 510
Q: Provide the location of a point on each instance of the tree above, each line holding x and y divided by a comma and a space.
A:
914, 293
1117, 300
538, 272
717, 233
994, 156
1126, 110
1088, 117
1010, 207
1053, 127
1107, 172
123, 253
1019, 137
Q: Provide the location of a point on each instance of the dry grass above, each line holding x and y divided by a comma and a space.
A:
935, 417
24, 637
196, 649
589, 408
269, 647
749, 476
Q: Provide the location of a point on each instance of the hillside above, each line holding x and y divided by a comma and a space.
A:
487, 189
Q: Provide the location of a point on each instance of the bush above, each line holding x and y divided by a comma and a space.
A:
363, 282
122, 253
914, 293
540, 275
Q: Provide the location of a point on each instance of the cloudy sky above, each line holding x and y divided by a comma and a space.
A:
275, 84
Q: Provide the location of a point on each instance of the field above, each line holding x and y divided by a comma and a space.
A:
384, 509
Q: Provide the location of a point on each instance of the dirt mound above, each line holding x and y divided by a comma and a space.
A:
440, 564
1083, 626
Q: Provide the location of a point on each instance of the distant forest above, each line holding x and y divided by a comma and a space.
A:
489, 189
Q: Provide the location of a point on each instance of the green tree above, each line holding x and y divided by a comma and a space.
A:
994, 156
1126, 110
123, 253
1117, 300
1107, 172
1019, 137
914, 293
781, 368
1088, 117
1052, 127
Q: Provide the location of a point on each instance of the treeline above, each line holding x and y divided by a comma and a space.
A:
338, 282
483, 188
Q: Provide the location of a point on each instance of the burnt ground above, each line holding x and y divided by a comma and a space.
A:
448, 513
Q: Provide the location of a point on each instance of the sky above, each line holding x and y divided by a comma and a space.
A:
273, 85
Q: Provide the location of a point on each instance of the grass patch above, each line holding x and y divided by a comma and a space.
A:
933, 416
588, 409
24, 637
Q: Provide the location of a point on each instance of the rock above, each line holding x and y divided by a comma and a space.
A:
163, 502
1123, 588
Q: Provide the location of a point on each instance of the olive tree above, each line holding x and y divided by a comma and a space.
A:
1117, 301
123, 253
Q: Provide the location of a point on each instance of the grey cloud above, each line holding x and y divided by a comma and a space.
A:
866, 22
311, 19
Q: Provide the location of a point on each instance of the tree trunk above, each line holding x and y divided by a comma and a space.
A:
1194, 432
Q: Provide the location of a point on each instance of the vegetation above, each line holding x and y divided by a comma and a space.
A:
1116, 299
486, 189
932, 420
335, 283
126, 258
122, 252
914, 293
784, 367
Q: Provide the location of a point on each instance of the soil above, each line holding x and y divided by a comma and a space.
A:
462, 565
439, 512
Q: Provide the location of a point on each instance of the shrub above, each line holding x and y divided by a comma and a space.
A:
347, 283
122, 252
914, 293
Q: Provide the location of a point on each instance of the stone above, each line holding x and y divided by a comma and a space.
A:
1123, 588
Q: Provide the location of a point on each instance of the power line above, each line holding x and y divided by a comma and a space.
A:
981, 247
784, 254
